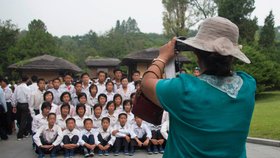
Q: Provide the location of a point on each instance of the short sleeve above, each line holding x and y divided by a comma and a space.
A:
168, 91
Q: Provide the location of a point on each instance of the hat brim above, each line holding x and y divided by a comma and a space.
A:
194, 43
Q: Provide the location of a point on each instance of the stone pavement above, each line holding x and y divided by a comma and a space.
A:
22, 149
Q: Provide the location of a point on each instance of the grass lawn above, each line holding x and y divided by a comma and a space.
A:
266, 118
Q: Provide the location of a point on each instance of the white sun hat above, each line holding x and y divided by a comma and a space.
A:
220, 35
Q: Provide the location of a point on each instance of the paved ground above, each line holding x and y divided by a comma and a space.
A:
13, 149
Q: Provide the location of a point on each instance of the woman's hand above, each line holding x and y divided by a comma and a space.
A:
166, 52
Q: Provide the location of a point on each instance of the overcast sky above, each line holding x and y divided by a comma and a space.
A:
77, 17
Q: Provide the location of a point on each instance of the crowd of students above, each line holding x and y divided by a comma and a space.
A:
88, 116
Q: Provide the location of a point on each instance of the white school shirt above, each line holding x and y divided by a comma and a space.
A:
8, 94
110, 96
70, 134
53, 135
22, 94
86, 89
92, 100
69, 88
131, 86
80, 122
130, 118
113, 118
124, 95
33, 87
61, 122
142, 130
75, 99
101, 88
164, 129
119, 109
36, 100
56, 95
96, 121
152, 127
38, 121
124, 131
105, 135
165, 116
85, 132
117, 85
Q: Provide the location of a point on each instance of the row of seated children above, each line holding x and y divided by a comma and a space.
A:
51, 135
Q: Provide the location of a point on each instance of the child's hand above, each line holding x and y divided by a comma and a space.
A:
107, 147
146, 143
115, 132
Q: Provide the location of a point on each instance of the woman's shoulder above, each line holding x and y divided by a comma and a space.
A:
246, 77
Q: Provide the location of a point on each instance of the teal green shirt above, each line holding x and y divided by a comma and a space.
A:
204, 121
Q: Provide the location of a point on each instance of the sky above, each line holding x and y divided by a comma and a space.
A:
77, 17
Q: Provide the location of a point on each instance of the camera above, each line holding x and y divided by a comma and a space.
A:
180, 46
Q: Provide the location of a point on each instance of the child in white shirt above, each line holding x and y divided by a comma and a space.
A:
71, 138
88, 138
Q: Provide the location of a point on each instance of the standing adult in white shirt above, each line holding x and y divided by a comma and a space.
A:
3, 110
34, 86
8, 97
56, 91
101, 82
20, 98
124, 91
37, 98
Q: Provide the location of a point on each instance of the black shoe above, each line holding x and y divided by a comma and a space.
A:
5, 137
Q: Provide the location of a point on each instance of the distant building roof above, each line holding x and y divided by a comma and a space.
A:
147, 55
45, 62
102, 62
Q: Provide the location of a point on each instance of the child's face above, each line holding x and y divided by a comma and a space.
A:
109, 87
123, 120
88, 125
102, 100
71, 125
111, 107
67, 79
49, 97
56, 84
81, 111
124, 82
138, 121
105, 124
101, 77
78, 88
52, 120
46, 111
97, 111
83, 100
65, 111
85, 78
41, 85
66, 98
118, 101
127, 107
93, 91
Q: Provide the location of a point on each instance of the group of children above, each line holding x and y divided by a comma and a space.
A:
89, 138
88, 121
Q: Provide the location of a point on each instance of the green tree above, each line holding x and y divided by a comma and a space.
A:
267, 35
8, 37
37, 41
239, 12
174, 17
